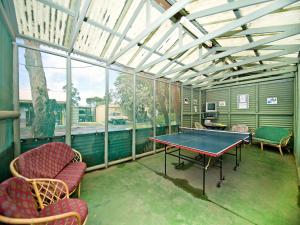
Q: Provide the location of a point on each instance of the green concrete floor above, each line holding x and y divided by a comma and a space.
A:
262, 191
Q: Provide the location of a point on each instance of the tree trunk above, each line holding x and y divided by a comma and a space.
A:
44, 119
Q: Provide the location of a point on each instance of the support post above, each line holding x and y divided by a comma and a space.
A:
257, 105
134, 118
154, 113
181, 108
169, 108
69, 102
106, 116
191, 106
16, 107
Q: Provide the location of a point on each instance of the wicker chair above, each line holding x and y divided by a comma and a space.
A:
20, 200
53, 160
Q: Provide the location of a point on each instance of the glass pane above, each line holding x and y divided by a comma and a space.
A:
144, 114
162, 107
120, 115
41, 92
88, 111
175, 107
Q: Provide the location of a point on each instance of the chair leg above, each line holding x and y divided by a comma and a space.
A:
261, 146
280, 150
78, 190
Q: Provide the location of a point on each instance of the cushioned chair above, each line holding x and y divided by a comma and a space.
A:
240, 128
274, 136
54, 160
18, 205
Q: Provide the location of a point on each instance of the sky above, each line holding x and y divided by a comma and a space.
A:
88, 79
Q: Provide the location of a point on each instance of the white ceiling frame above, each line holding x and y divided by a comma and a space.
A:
265, 74
58, 7
225, 7
244, 71
257, 80
128, 26
156, 45
237, 23
287, 33
79, 23
244, 62
165, 16
107, 29
261, 47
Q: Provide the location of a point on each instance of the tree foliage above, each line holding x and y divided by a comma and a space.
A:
74, 95
123, 95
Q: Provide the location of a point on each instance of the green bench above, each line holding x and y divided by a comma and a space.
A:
274, 136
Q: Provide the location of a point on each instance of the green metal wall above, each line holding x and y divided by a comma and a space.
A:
297, 124
259, 112
6, 101
190, 116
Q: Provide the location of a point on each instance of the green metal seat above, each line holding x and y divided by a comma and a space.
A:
274, 136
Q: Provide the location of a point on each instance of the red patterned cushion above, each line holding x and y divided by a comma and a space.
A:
45, 161
64, 206
16, 200
72, 174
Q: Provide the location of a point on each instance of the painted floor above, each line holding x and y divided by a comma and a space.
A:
262, 191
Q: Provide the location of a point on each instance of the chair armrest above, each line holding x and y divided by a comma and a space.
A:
47, 191
78, 157
41, 220
14, 170
284, 141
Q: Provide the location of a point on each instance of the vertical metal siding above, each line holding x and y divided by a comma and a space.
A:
284, 92
6, 100
280, 114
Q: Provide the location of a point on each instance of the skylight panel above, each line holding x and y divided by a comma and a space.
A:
43, 22
106, 12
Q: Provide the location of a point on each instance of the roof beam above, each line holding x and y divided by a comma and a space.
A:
261, 47
237, 23
260, 30
107, 29
78, 24
165, 16
245, 27
265, 74
58, 7
224, 8
257, 80
244, 62
244, 71
237, 49
157, 44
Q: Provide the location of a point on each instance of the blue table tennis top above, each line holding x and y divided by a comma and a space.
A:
208, 142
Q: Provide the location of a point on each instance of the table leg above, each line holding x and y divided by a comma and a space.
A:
236, 158
165, 160
204, 173
241, 151
221, 172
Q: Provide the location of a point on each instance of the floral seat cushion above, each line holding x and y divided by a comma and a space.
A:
45, 161
16, 199
72, 174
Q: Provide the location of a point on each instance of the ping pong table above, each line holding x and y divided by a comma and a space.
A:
208, 144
